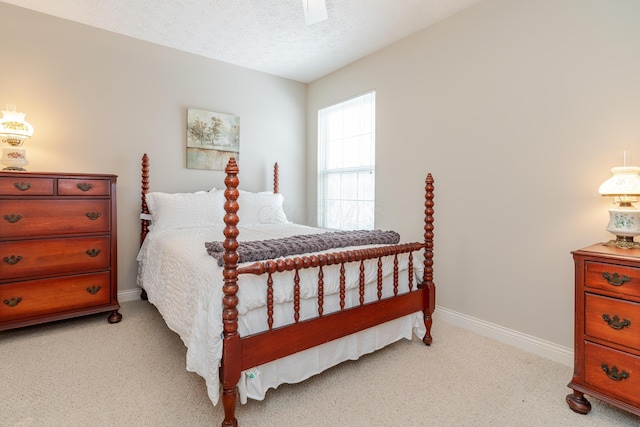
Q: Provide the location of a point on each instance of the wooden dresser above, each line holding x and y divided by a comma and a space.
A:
57, 247
607, 328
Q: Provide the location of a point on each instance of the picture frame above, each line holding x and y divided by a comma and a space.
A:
212, 139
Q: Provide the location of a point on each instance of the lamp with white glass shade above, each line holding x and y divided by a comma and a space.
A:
624, 219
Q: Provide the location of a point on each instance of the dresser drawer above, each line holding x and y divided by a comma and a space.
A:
612, 319
615, 372
39, 297
24, 218
26, 186
83, 187
613, 278
28, 258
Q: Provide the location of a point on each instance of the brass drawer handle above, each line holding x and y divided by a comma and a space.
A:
615, 279
93, 215
22, 186
85, 186
614, 374
615, 323
93, 252
12, 260
13, 218
13, 301
94, 289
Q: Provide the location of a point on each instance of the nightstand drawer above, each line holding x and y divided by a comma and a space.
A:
614, 320
613, 278
614, 372
24, 218
83, 187
29, 258
26, 186
39, 297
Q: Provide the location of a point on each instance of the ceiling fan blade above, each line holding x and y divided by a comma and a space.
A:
314, 11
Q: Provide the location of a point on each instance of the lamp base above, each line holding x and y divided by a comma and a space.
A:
624, 223
623, 242
14, 159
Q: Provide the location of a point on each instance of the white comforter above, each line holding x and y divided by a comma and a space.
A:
185, 284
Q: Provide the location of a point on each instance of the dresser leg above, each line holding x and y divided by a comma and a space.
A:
578, 403
114, 317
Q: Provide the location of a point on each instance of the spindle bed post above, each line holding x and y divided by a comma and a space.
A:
231, 350
145, 189
276, 178
144, 217
429, 288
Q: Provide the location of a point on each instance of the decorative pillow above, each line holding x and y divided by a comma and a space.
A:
186, 210
261, 208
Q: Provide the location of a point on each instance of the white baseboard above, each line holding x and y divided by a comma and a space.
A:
129, 295
517, 339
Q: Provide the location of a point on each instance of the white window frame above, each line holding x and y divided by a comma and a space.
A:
346, 154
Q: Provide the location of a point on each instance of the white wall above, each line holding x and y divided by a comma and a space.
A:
98, 101
518, 108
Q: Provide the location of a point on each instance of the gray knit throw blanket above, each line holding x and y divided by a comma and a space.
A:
259, 250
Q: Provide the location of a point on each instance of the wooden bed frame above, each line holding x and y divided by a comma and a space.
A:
241, 353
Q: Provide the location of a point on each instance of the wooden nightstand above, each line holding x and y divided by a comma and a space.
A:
58, 243
607, 328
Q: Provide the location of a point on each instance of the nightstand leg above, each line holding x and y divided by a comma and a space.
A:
578, 403
114, 317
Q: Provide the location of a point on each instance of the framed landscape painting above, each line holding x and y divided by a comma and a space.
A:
212, 138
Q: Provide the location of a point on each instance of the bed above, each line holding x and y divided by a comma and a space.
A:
251, 324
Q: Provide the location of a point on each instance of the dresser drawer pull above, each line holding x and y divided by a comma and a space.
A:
615, 323
94, 289
13, 218
22, 186
12, 260
84, 186
614, 374
93, 252
615, 279
13, 301
93, 215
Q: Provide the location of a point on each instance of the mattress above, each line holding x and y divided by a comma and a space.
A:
185, 284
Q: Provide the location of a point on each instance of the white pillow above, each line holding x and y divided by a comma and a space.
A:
261, 208
186, 210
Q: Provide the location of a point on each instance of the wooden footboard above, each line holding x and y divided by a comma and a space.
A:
240, 353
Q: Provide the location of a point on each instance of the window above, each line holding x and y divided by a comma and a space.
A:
346, 164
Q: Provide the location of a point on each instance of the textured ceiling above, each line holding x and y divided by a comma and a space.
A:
264, 35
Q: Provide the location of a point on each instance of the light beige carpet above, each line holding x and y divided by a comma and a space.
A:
85, 372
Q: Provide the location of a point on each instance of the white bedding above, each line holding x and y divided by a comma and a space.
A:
185, 284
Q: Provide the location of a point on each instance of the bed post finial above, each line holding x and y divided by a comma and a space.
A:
427, 279
230, 366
